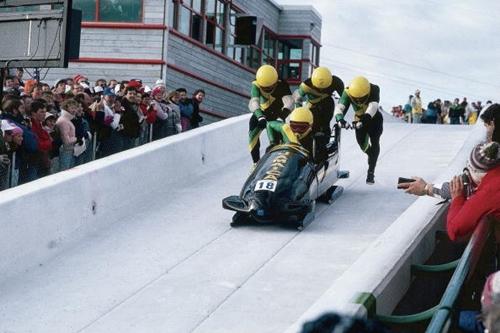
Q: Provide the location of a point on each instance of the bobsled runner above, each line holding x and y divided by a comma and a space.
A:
285, 185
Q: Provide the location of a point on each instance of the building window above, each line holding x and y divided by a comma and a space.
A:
237, 53
202, 20
314, 57
290, 71
290, 60
253, 56
290, 49
190, 19
269, 47
215, 12
110, 10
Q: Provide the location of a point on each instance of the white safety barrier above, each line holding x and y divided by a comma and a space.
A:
39, 218
385, 265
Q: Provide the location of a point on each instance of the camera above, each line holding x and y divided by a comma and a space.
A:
467, 182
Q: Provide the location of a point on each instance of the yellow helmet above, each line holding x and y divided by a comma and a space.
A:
266, 76
321, 77
359, 87
301, 120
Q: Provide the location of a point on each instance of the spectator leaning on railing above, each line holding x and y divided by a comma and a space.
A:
130, 119
187, 109
198, 96
465, 212
42, 157
69, 108
160, 107
174, 121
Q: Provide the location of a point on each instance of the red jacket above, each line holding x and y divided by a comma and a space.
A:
149, 112
44, 138
465, 214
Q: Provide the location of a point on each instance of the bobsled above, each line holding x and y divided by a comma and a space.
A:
286, 184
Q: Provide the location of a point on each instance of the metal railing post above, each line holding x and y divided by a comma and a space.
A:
11, 181
9, 168
150, 132
94, 145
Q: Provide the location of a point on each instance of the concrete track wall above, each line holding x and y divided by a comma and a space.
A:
38, 219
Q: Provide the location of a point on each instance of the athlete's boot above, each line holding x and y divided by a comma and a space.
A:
370, 178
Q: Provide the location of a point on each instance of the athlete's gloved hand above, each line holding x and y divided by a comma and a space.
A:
340, 121
262, 122
364, 120
285, 112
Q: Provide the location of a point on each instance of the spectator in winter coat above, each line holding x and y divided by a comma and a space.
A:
187, 109
107, 123
69, 108
431, 113
13, 138
197, 99
445, 110
464, 104
174, 121
471, 112
160, 107
82, 151
14, 111
455, 112
42, 157
416, 105
407, 109
5, 136
465, 212
147, 110
131, 119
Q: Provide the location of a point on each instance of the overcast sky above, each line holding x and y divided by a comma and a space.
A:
446, 48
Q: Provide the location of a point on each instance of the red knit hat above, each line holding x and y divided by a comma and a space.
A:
79, 77
157, 91
134, 84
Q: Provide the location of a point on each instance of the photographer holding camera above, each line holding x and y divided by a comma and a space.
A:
468, 206
491, 118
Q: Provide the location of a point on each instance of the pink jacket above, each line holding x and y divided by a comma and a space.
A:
66, 128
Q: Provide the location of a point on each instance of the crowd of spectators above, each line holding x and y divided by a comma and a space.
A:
438, 111
49, 128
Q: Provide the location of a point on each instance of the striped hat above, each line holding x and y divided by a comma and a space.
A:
484, 157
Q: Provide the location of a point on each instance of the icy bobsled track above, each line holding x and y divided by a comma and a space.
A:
160, 256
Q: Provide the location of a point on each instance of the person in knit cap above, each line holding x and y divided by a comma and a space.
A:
490, 303
483, 171
159, 105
